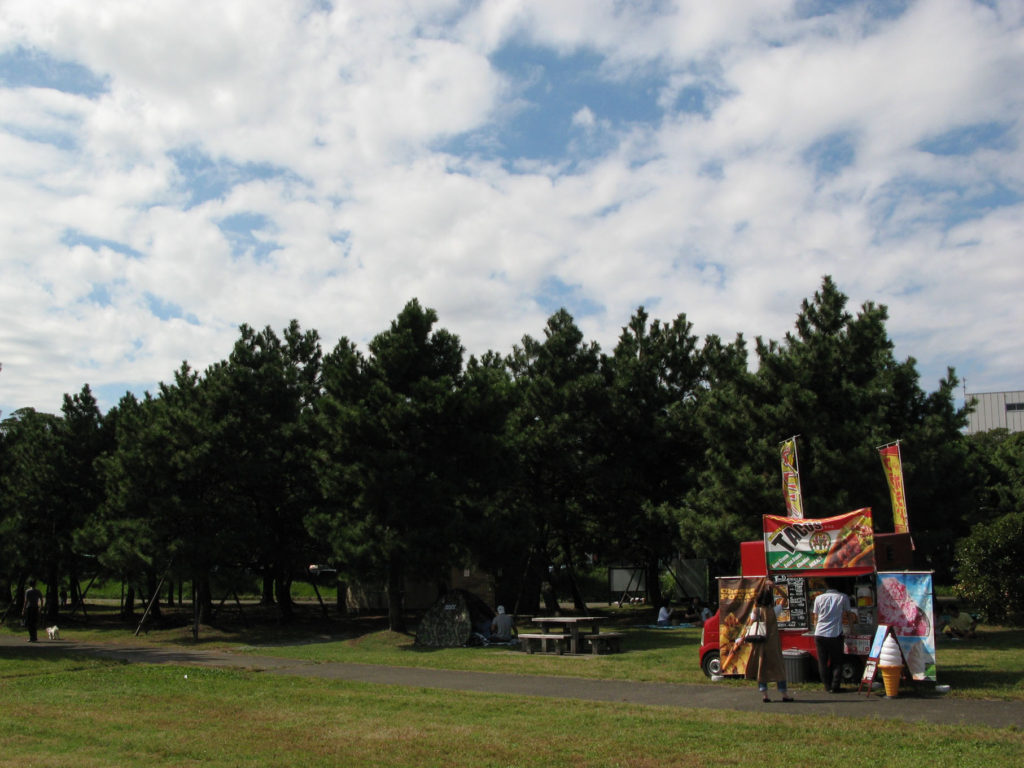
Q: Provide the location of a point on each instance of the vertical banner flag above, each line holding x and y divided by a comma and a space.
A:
791, 479
736, 596
894, 474
905, 604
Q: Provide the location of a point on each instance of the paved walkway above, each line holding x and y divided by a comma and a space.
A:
810, 701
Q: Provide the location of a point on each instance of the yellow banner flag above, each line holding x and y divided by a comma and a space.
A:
893, 467
791, 479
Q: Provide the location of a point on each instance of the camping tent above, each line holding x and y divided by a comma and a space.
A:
453, 620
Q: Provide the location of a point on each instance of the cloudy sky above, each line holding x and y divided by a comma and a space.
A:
170, 170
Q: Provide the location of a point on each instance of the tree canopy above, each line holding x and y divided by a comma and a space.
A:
401, 460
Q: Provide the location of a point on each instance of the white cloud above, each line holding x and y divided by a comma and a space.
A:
358, 154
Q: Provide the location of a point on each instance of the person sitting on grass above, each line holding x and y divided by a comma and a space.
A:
665, 614
960, 624
503, 627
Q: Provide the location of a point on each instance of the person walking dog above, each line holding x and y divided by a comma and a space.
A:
33, 601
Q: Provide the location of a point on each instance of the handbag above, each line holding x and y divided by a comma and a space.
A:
756, 629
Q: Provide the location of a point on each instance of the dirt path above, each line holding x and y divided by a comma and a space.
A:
912, 708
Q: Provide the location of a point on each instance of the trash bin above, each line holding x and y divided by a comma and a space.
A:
796, 663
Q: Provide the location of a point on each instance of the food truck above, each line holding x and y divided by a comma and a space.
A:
798, 554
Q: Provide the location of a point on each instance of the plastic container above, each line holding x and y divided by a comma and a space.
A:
797, 663
865, 598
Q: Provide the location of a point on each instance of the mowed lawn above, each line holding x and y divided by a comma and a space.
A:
990, 666
63, 710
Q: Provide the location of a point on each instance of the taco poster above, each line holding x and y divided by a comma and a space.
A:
825, 543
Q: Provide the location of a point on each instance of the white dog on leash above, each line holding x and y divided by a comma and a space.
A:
53, 632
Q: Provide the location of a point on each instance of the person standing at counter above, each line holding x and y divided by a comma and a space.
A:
831, 610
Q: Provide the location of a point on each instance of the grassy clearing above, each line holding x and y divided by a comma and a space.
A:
990, 666
66, 711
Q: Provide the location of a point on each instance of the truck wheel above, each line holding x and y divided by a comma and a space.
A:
711, 664
852, 670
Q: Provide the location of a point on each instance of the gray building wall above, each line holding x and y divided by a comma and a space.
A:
995, 410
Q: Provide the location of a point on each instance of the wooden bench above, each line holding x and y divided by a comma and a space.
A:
559, 641
609, 642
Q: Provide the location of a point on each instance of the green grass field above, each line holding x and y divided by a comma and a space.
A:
64, 710
990, 666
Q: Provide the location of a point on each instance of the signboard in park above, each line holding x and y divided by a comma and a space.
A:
843, 542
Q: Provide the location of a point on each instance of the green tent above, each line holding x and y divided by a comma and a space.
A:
454, 620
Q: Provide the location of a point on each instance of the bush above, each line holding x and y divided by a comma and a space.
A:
989, 573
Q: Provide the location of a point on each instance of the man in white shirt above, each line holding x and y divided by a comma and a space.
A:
831, 610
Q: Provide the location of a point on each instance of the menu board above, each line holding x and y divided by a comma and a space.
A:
871, 666
790, 594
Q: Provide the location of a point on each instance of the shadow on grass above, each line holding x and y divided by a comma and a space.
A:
43, 659
634, 640
257, 626
46, 653
981, 679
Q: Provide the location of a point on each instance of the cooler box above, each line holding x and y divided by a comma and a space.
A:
797, 664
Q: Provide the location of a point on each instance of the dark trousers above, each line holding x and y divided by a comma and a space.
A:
830, 659
32, 621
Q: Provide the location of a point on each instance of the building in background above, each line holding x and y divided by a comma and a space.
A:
996, 410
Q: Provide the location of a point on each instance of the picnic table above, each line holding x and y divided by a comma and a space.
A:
578, 631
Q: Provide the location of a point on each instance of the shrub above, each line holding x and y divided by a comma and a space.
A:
989, 573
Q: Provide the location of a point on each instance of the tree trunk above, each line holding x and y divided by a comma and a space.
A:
267, 593
203, 598
574, 588
396, 595
152, 584
52, 609
342, 598
653, 579
549, 592
128, 608
577, 596
19, 596
528, 595
282, 589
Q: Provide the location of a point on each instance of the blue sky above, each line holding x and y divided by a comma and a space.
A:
175, 170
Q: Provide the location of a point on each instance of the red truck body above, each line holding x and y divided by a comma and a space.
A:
893, 551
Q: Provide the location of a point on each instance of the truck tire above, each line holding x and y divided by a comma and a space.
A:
711, 664
851, 670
